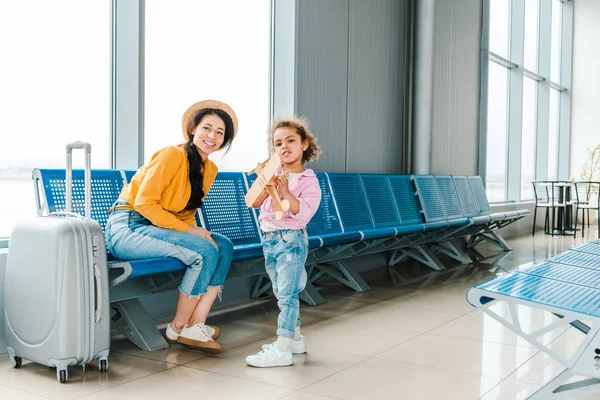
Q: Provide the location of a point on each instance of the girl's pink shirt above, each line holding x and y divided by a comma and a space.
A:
307, 190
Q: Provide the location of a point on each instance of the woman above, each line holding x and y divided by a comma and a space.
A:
154, 217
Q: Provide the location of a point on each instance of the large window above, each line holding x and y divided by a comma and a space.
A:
531, 34
555, 39
54, 89
529, 127
496, 144
203, 49
526, 95
553, 118
500, 27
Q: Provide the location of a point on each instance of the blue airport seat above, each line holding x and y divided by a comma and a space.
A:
129, 174
106, 187
224, 211
567, 287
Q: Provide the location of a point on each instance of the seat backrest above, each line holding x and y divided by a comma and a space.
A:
351, 202
380, 201
326, 219
479, 194
224, 210
429, 198
405, 199
51, 191
129, 173
449, 196
465, 196
540, 191
586, 192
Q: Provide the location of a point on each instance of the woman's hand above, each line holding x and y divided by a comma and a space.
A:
203, 233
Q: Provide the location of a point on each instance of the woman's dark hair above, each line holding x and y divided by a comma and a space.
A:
196, 164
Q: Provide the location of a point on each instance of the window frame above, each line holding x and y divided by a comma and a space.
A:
517, 73
127, 19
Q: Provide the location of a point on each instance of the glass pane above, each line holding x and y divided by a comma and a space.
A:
532, 13
497, 123
55, 89
499, 27
224, 56
553, 135
529, 128
555, 38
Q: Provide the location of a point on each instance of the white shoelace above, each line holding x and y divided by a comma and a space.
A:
202, 329
271, 352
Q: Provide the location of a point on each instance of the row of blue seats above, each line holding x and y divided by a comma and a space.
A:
567, 289
408, 216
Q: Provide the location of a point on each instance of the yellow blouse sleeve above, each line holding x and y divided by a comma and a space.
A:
191, 220
159, 173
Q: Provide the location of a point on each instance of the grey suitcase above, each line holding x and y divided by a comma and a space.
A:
56, 287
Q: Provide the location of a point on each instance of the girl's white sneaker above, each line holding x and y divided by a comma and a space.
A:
270, 356
296, 346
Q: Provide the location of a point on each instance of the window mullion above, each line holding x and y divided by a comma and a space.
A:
127, 106
543, 108
515, 107
564, 133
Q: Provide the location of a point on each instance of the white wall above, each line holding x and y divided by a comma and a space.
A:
585, 128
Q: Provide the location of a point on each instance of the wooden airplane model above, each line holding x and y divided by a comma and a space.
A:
265, 172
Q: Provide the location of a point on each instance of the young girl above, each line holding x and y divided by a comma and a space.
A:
285, 241
154, 217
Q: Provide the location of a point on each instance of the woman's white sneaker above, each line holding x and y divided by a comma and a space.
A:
197, 337
270, 356
296, 346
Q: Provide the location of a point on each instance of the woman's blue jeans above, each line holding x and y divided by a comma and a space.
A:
129, 236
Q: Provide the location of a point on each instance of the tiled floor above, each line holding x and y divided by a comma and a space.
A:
418, 339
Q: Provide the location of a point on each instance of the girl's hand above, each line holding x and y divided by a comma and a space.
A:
203, 233
282, 185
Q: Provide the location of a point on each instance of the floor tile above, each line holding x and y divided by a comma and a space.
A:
175, 354
394, 317
462, 355
480, 326
41, 380
383, 379
348, 337
307, 396
453, 303
8, 393
510, 390
308, 368
182, 382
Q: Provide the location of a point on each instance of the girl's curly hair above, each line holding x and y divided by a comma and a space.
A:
300, 124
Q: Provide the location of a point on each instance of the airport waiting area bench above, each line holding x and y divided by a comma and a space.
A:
567, 288
403, 216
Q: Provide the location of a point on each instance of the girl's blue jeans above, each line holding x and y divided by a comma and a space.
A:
285, 257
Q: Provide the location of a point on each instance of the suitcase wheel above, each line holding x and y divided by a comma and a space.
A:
17, 361
103, 365
62, 375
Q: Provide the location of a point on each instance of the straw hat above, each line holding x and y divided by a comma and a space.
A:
201, 105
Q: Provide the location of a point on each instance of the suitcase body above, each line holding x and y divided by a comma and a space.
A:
56, 293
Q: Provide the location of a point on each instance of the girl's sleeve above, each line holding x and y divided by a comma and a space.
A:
310, 199
159, 173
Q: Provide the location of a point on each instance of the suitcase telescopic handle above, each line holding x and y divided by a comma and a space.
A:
87, 177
